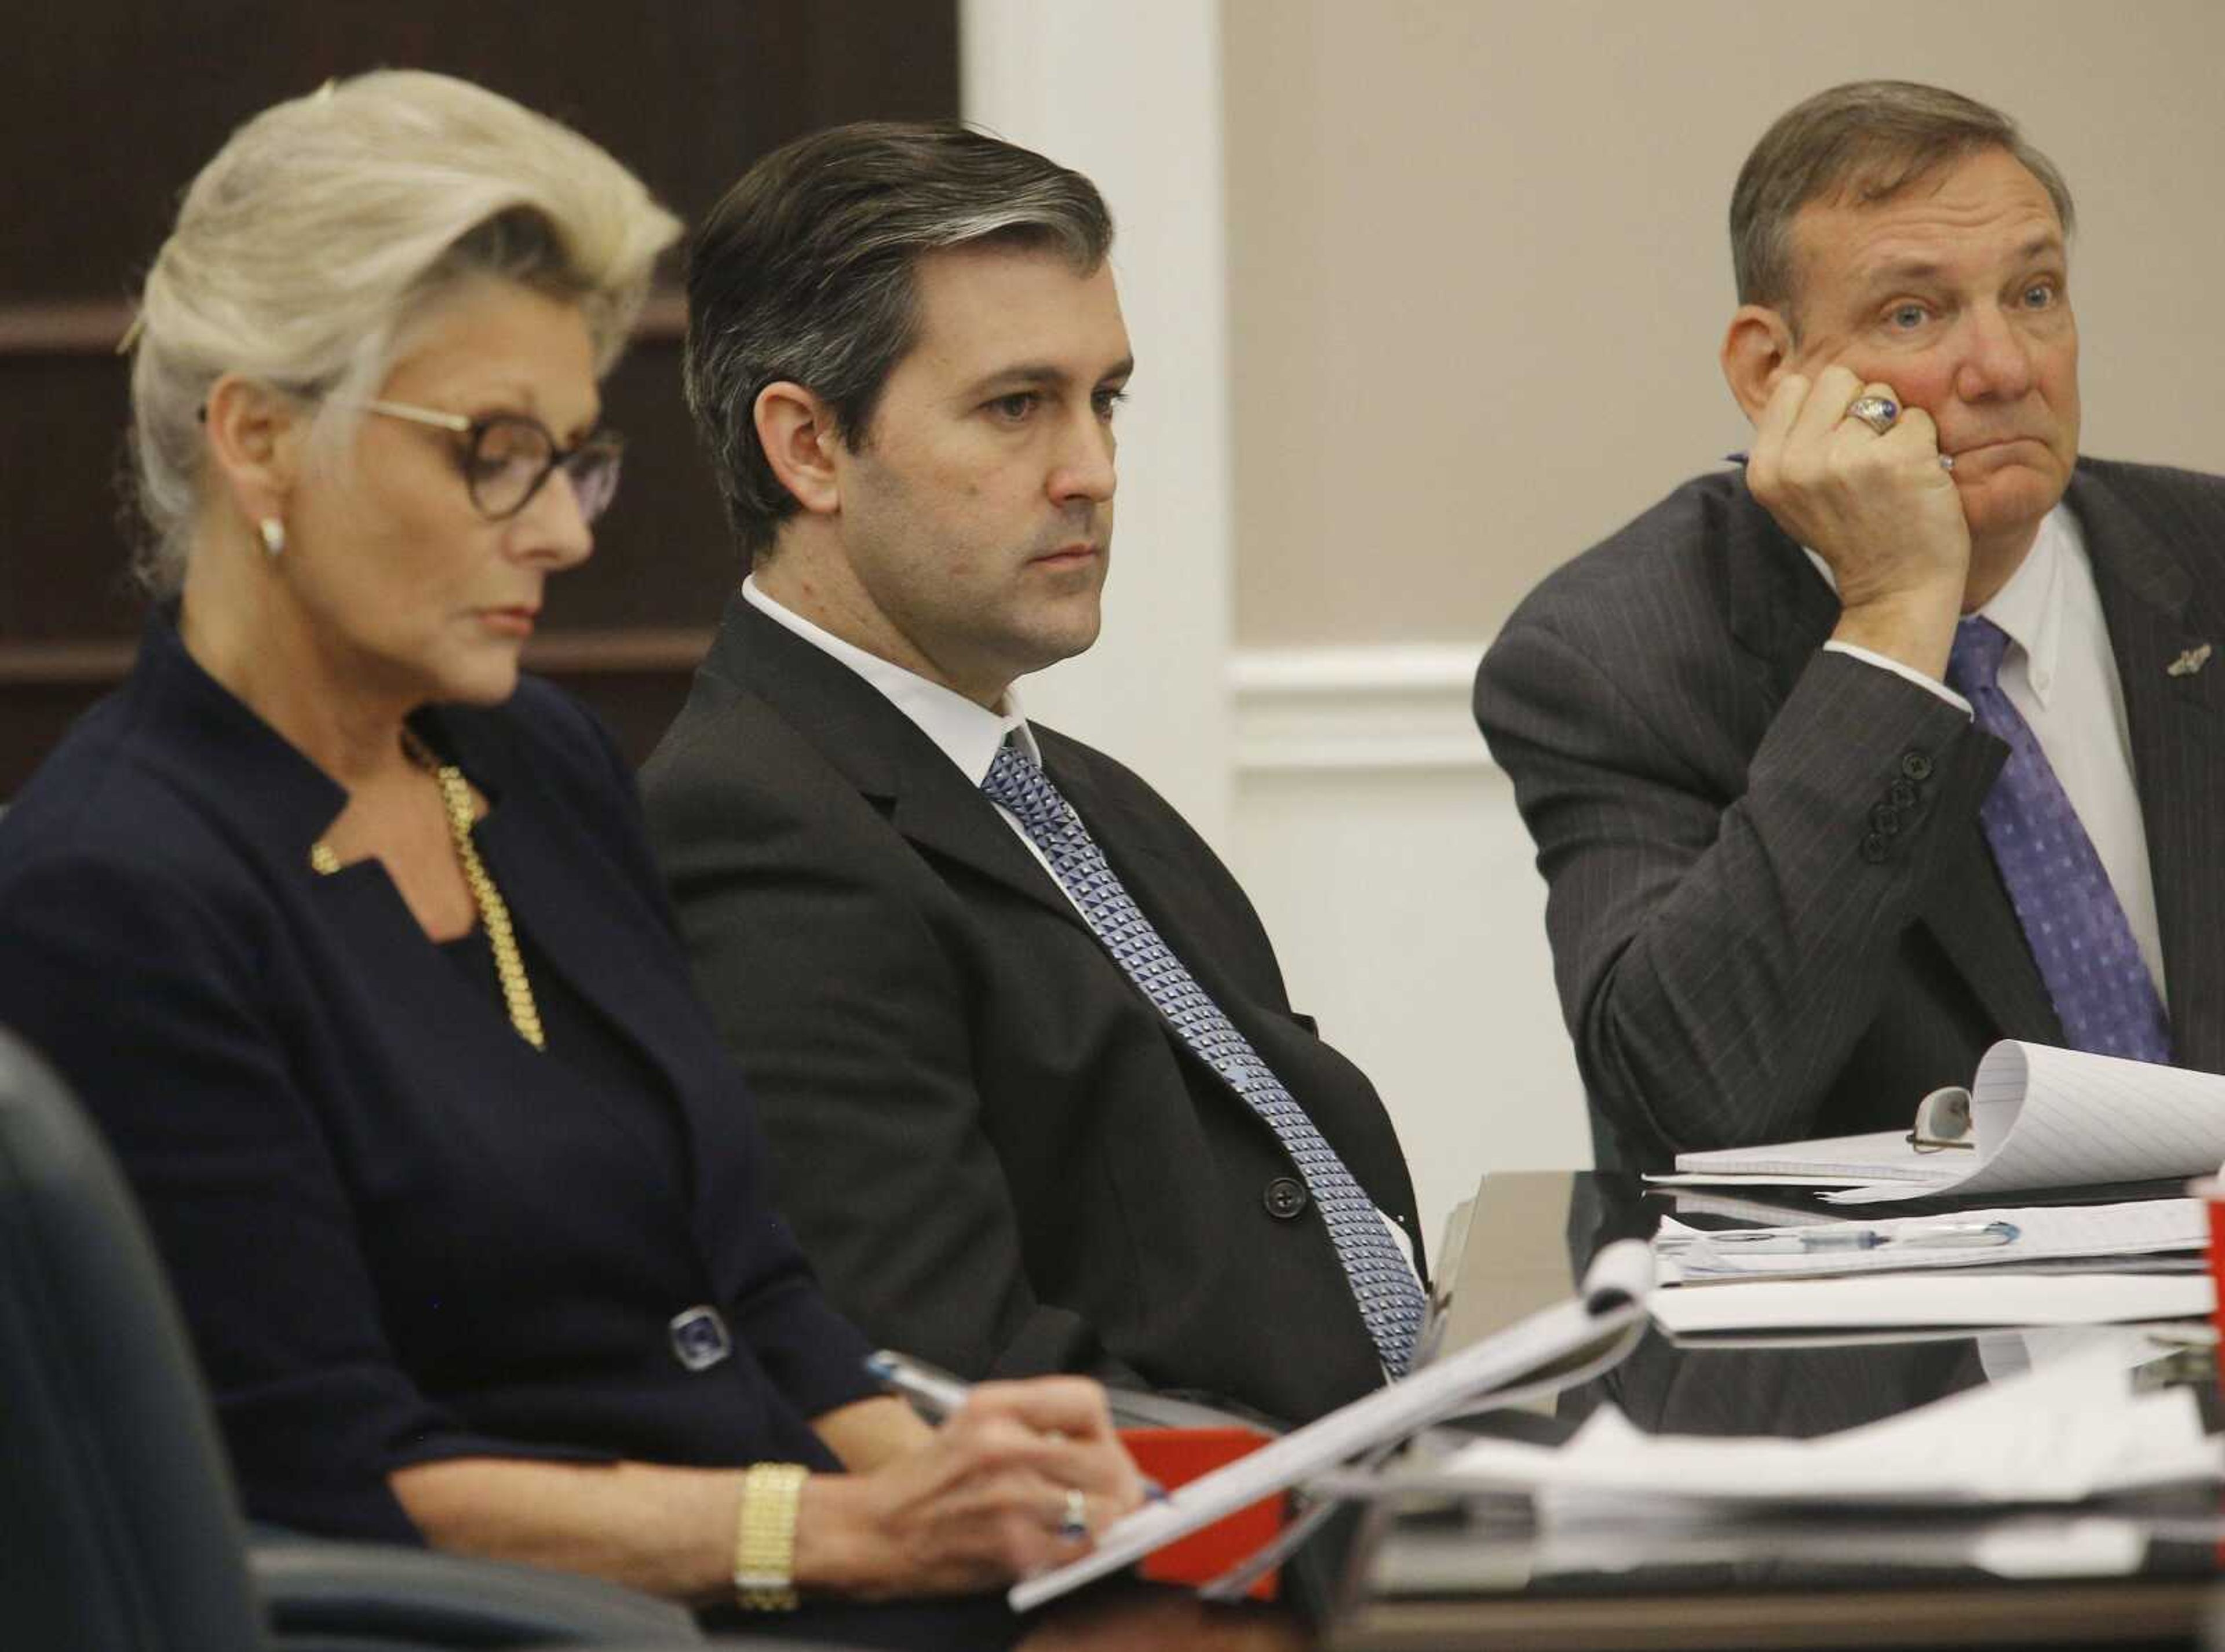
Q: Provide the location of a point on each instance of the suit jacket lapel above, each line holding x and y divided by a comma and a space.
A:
1967, 912
2156, 616
945, 814
883, 752
1782, 611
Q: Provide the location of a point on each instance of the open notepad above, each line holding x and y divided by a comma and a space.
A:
1567, 1343
2039, 1118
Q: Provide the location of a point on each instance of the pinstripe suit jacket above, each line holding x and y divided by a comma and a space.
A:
1772, 912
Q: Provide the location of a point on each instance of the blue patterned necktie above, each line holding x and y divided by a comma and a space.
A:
2072, 920
1389, 1295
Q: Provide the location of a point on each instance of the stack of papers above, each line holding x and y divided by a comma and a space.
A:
1959, 1298
2060, 1433
1828, 1161
1922, 1272
2052, 1545
2038, 1234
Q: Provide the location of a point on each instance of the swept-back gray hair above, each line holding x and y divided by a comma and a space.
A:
326, 224
804, 273
1865, 140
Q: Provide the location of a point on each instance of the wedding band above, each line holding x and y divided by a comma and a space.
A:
1074, 1524
1878, 412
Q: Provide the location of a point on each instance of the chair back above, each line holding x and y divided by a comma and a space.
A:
119, 1525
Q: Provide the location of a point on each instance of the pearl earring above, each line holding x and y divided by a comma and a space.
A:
274, 536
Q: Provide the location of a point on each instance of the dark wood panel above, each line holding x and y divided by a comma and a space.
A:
639, 705
663, 555
111, 106
33, 716
638, 700
627, 626
117, 102
61, 326
62, 542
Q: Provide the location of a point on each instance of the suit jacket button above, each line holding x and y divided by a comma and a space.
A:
1873, 848
1286, 1199
1884, 819
1916, 765
1902, 794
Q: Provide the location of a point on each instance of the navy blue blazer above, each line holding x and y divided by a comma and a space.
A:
399, 1233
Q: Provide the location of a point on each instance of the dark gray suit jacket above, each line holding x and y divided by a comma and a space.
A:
992, 1147
1772, 912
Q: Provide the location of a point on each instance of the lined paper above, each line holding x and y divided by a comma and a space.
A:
1880, 1155
2048, 1118
2039, 1118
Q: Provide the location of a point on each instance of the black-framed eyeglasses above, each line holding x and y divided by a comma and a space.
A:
507, 457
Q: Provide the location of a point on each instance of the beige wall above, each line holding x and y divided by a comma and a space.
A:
1477, 272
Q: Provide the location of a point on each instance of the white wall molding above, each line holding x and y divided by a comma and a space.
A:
1380, 706
1383, 849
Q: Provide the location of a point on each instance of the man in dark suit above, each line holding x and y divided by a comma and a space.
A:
1907, 739
1038, 1100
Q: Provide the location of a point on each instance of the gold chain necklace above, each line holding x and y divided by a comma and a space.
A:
494, 910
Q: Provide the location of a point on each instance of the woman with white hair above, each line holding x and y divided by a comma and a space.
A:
347, 934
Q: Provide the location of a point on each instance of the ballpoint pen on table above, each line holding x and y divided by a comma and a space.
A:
1771, 1242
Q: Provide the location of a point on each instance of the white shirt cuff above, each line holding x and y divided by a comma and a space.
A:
1900, 670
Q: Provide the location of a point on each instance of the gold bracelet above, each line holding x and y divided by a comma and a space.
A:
765, 1537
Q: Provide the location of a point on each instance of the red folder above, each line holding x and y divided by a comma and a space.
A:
1174, 1457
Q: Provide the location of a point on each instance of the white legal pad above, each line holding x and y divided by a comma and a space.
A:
2040, 1117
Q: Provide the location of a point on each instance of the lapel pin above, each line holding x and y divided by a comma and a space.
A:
2188, 663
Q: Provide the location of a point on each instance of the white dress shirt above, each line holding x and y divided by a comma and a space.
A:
969, 735
2061, 674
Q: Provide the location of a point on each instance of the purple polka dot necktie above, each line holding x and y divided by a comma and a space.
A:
1389, 1296
2072, 920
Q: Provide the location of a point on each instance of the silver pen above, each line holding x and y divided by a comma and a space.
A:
933, 1392
1794, 1241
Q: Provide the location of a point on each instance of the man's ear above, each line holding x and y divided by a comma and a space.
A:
796, 430
1757, 352
255, 439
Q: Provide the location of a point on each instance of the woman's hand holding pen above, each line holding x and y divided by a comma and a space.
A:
1015, 1482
